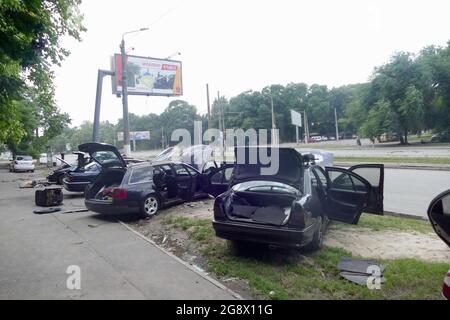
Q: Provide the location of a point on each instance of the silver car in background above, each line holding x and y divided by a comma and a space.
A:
22, 163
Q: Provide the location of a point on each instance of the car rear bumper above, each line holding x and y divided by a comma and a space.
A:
23, 167
278, 236
75, 186
104, 207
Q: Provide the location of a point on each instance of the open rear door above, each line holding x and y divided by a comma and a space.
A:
374, 174
216, 181
348, 195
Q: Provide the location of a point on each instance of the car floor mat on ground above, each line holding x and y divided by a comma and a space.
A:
358, 265
360, 278
47, 210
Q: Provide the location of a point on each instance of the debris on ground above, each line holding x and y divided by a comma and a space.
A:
47, 210
360, 270
75, 210
92, 225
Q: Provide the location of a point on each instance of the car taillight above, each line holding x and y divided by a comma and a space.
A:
297, 216
446, 287
219, 213
16, 162
116, 193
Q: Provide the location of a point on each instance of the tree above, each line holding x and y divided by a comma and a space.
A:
401, 83
30, 33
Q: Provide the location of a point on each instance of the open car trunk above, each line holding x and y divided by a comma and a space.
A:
107, 179
260, 207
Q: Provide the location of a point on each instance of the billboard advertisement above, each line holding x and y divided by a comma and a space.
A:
135, 135
148, 76
296, 118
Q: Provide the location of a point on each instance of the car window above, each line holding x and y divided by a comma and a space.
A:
191, 171
322, 177
217, 177
27, 158
92, 167
140, 175
180, 170
227, 173
341, 181
370, 174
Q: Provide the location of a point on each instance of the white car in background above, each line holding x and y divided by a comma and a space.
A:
22, 163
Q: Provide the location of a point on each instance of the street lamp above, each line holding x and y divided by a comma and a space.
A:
126, 127
274, 127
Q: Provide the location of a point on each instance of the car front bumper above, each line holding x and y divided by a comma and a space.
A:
105, 207
277, 236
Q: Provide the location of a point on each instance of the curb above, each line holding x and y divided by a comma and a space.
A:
405, 215
398, 166
187, 265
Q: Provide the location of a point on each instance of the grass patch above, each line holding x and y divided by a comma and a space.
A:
380, 223
290, 274
405, 160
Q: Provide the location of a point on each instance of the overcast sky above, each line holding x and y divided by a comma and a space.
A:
241, 45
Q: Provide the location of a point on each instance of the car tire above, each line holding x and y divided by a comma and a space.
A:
317, 241
150, 205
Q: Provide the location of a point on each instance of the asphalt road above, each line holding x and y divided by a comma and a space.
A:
114, 262
410, 191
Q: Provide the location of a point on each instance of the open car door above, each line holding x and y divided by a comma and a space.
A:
374, 174
348, 195
216, 180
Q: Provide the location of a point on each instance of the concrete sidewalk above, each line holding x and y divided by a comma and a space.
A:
115, 263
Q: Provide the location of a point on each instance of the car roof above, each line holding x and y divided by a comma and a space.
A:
160, 163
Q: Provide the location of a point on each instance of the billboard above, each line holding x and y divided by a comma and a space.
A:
296, 118
135, 135
148, 76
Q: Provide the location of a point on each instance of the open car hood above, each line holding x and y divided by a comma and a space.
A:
104, 154
289, 169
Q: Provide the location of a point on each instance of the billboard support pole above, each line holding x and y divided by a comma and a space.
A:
98, 101
296, 135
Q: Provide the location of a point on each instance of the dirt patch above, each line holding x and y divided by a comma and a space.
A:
389, 244
365, 242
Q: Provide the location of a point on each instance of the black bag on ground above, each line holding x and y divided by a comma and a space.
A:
48, 197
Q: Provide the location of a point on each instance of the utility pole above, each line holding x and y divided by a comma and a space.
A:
162, 138
306, 128
221, 124
126, 128
336, 123
208, 105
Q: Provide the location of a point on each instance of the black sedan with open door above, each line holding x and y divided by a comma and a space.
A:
292, 207
144, 188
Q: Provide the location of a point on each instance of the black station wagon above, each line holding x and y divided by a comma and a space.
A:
292, 207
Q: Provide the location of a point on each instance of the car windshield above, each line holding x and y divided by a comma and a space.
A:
265, 186
26, 158
108, 158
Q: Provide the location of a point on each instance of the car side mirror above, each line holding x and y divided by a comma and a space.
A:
439, 215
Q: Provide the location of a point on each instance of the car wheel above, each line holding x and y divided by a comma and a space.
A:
317, 241
150, 206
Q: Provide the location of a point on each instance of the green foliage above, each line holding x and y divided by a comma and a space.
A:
30, 33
